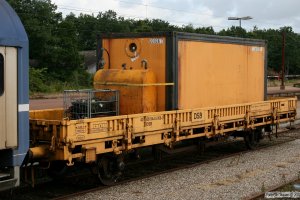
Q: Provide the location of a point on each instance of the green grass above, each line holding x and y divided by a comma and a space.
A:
42, 83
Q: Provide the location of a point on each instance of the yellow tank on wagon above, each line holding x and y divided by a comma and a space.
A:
136, 53
138, 93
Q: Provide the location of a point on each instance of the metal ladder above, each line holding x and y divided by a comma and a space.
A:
6, 181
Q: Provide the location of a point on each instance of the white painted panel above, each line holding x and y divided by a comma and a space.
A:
11, 97
2, 111
23, 107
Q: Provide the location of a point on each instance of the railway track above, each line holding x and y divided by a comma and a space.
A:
276, 188
261, 195
80, 181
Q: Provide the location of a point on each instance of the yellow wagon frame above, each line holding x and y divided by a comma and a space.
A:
119, 134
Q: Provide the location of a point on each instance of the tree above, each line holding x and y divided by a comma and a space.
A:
205, 30
234, 31
67, 59
40, 20
52, 39
55, 41
292, 55
142, 26
188, 28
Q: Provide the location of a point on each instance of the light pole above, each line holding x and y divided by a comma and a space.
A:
240, 19
282, 86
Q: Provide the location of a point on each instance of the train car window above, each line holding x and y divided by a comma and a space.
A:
1, 74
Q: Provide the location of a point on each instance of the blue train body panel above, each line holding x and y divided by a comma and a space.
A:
13, 34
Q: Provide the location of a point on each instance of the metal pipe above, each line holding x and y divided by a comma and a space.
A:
38, 152
103, 49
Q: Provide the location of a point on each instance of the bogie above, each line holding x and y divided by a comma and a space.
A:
252, 138
109, 168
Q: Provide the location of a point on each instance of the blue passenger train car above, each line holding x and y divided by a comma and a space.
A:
14, 101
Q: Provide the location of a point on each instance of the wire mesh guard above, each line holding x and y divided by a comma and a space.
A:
80, 104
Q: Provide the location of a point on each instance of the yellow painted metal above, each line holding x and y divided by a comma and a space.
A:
49, 114
220, 74
121, 133
138, 88
90, 155
149, 50
39, 152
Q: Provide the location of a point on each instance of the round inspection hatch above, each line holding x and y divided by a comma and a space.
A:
133, 48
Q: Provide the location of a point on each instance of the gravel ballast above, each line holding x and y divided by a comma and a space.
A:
231, 178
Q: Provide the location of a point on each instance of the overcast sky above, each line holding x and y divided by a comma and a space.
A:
265, 13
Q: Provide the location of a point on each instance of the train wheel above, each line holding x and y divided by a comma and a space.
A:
108, 171
252, 138
157, 153
57, 169
201, 147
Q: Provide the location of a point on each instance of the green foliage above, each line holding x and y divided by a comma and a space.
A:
205, 30
37, 80
234, 31
40, 20
41, 82
274, 41
55, 41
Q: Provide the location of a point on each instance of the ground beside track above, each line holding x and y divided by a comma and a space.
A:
48, 103
281, 191
236, 177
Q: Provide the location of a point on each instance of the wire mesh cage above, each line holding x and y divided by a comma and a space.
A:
80, 104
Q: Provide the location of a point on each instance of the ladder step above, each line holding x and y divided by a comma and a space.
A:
7, 184
4, 175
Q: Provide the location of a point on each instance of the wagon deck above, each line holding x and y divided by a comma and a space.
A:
66, 139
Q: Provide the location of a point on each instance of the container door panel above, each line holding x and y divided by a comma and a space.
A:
217, 74
2, 100
11, 97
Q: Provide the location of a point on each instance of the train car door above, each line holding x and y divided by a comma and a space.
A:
8, 98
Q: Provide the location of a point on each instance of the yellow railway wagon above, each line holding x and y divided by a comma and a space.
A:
192, 70
105, 140
125, 132
174, 89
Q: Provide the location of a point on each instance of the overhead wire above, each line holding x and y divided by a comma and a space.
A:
55, 29
183, 23
189, 12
